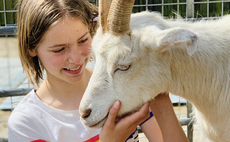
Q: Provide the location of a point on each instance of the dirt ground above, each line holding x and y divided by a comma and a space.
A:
8, 48
4, 115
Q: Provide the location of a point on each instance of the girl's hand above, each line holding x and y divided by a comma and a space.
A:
120, 131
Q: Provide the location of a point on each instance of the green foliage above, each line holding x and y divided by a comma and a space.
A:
2, 19
226, 8
1, 5
168, 10
10, 16
11, 4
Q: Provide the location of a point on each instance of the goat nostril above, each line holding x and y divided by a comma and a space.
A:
86, 113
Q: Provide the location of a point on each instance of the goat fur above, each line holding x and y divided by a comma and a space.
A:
188, 59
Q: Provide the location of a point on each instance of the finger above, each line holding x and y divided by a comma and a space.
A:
113, 113
143, 113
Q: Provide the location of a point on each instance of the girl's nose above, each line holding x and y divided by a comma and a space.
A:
74, 55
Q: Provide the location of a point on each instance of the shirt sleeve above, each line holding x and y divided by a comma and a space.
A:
23, 127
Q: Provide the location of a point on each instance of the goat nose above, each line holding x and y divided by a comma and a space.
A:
85, 113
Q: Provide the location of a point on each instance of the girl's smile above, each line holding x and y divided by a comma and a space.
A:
74, 71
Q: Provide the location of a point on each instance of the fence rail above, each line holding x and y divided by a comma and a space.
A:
3, 140
8, 30
14, 92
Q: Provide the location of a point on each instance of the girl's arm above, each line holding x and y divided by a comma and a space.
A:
152, 130
170, 127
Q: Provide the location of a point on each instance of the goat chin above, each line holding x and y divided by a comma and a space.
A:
119, 117
97, 124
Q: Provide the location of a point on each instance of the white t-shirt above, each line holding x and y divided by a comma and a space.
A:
34, 121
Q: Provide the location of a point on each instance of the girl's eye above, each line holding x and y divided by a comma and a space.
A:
57, 51
83, 41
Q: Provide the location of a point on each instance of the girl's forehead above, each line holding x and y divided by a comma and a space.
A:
64, 28
66, 22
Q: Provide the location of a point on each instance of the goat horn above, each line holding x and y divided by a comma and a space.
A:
119, 16
103, 13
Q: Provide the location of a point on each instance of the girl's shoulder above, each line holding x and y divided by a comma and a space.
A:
23, 116
25, 123
24, 107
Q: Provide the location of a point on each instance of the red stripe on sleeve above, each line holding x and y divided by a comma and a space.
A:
39, 140
93, 139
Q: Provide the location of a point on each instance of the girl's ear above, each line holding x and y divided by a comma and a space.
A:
32, 53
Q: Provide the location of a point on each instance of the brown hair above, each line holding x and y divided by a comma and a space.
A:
35, 17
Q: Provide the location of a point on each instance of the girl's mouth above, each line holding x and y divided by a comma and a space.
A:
74, 70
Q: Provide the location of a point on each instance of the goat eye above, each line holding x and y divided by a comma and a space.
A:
123, 68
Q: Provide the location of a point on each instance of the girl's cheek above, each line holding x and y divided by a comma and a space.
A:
51, 60
87, 50
57, 61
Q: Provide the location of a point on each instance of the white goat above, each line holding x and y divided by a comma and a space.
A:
152, 55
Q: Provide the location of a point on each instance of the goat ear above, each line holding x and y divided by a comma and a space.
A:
177, 37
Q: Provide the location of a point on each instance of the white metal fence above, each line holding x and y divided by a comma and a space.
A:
187, 9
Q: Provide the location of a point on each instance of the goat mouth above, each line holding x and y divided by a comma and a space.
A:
118, 118
103, 119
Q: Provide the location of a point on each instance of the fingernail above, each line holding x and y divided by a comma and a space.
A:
116, 105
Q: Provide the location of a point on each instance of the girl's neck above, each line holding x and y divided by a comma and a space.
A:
63, 95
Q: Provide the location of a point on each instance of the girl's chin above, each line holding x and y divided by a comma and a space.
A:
77, 78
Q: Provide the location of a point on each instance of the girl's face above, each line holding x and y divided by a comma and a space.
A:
65, 50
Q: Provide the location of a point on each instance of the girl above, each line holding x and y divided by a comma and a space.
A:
55, 36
